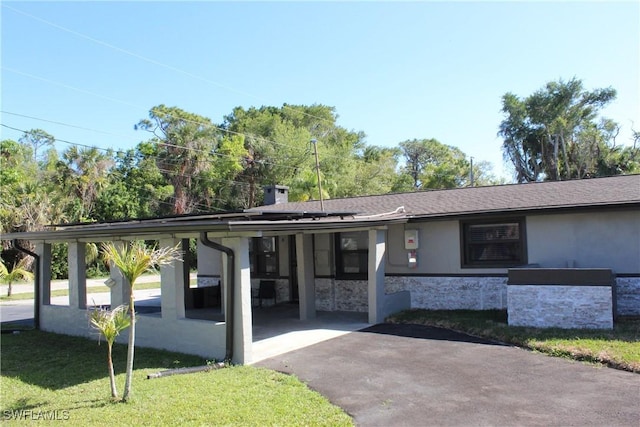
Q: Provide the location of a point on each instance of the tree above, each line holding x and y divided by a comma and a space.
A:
553, 133
137, 188
372, 170
189, 153
304, 187
37, 138
277, 150
133, 260
109, 324
432, 164
18, 272
83, 172
277, 140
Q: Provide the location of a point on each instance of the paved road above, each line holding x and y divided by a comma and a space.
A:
407, 375
21, 310
19, 288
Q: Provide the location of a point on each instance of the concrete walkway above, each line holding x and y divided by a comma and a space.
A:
404, 375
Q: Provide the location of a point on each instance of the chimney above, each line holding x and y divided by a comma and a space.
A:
276, 194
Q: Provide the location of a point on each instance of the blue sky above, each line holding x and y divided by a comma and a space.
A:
395, 71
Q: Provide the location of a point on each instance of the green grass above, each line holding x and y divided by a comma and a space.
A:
65, 292
619, 348
55, 374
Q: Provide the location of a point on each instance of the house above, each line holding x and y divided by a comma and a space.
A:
553, 253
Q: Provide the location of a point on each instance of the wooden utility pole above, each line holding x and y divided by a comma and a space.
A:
315, 151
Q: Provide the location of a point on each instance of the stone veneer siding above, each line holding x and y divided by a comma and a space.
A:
628, 296
342, 295
325, 295
282, 290
205, 281
445, 293
561, 306
448, 293
452, 293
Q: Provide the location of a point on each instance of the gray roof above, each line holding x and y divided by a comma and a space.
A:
370, 211
616, 191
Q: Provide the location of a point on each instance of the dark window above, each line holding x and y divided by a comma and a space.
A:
352, 253
263, 256
493, 244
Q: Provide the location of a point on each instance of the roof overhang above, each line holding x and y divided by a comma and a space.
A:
546, 210
217, 227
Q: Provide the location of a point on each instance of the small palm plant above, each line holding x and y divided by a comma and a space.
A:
133, 260
19, 272
110, 323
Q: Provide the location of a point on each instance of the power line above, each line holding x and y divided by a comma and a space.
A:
149, 60
60, 123
245, 135
196, 122
66, 86
156, 158
114, 172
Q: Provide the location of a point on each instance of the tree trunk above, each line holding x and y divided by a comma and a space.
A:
131, 347
555, 158
112, 376
567, 172
252, 187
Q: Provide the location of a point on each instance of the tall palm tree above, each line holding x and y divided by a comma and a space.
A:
133, 260
84, 173
19, 272
110, 323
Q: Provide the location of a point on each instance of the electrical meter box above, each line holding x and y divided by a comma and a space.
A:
411, 239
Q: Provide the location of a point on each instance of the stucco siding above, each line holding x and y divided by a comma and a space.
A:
209, 260
200, 337
438, 252
586, 240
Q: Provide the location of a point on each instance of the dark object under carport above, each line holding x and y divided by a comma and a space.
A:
266, 290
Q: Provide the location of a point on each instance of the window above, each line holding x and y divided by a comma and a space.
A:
493, 244
263, 256
352, 252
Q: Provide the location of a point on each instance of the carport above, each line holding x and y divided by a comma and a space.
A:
230, 233
276, 329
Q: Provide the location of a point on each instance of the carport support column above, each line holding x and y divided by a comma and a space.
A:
77, 275
377, 248
44, 250
242, 332
172, 285
121, 290
306, 281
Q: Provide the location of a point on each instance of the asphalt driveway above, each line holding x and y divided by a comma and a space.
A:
394, 375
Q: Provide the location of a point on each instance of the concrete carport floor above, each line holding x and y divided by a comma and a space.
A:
277, 329
408, 375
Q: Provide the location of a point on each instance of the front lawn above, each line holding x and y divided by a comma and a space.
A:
61, 377
619, 348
